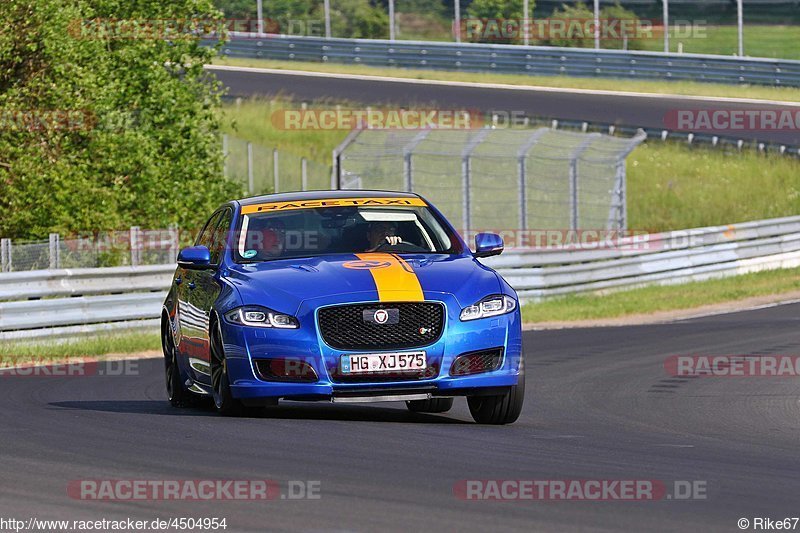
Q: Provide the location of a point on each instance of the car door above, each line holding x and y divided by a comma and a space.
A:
190, 318
204, 287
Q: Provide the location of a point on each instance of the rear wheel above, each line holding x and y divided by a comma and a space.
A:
176, 392
224, 402
503, 409
431, 405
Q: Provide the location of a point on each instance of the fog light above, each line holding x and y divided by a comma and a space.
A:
477, 362
285, 369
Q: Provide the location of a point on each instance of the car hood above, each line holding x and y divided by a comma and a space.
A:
284, 285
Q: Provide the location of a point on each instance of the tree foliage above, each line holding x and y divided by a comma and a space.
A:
141, 146
500, 21
352, 19
577, 36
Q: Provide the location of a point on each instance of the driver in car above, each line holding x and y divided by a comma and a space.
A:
382, 233
270, 238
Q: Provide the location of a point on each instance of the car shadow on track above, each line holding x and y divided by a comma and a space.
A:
287, 411
356, 413
150, 407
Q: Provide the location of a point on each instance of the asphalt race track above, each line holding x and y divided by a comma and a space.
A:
599, 405
641, 111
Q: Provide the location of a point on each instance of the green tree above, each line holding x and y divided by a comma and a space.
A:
621, 27
355, 19
575, 33
349, 18
498, 21
142, 146
627, 24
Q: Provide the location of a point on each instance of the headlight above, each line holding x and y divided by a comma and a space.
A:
490, 306
261, 317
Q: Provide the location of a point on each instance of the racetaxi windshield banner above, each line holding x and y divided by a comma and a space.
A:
274, 207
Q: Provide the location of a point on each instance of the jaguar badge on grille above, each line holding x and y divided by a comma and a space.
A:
381, 316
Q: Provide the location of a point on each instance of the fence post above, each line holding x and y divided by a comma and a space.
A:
574, 179
466, 178
250, 181
5, 255
522, 169
336, 167
135, 237
304, 174
55, 261
408, 152
275, 173
620, 187
173, 242
623, 203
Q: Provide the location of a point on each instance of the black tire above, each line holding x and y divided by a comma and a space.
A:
432, 405
224, 402
176, 392
503, 409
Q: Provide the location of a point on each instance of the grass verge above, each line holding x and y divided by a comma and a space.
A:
688, 88
118, 343
662, 298
761, 40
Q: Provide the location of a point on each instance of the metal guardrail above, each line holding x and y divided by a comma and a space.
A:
515, 59
38, 284
63, 303
666, 258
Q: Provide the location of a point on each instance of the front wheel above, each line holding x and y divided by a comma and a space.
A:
224, 402
176, 393
503, 409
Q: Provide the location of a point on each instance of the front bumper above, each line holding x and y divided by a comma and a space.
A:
243, 345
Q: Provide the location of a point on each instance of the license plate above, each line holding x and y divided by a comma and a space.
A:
383, 362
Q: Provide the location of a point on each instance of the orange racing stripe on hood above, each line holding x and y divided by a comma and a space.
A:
394, 278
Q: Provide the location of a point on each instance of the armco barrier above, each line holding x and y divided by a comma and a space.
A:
666, 258
63, 303
515, 59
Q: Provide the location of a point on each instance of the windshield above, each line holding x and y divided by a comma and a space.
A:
267, 235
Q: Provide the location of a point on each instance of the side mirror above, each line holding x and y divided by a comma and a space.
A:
488, 244
195, 258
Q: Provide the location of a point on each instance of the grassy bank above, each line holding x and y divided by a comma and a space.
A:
656, 87
118, 343
666, 298
764, 40
675, 186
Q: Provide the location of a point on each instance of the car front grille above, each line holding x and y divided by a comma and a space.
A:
413, 325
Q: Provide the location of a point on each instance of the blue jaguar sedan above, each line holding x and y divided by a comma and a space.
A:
342, 296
